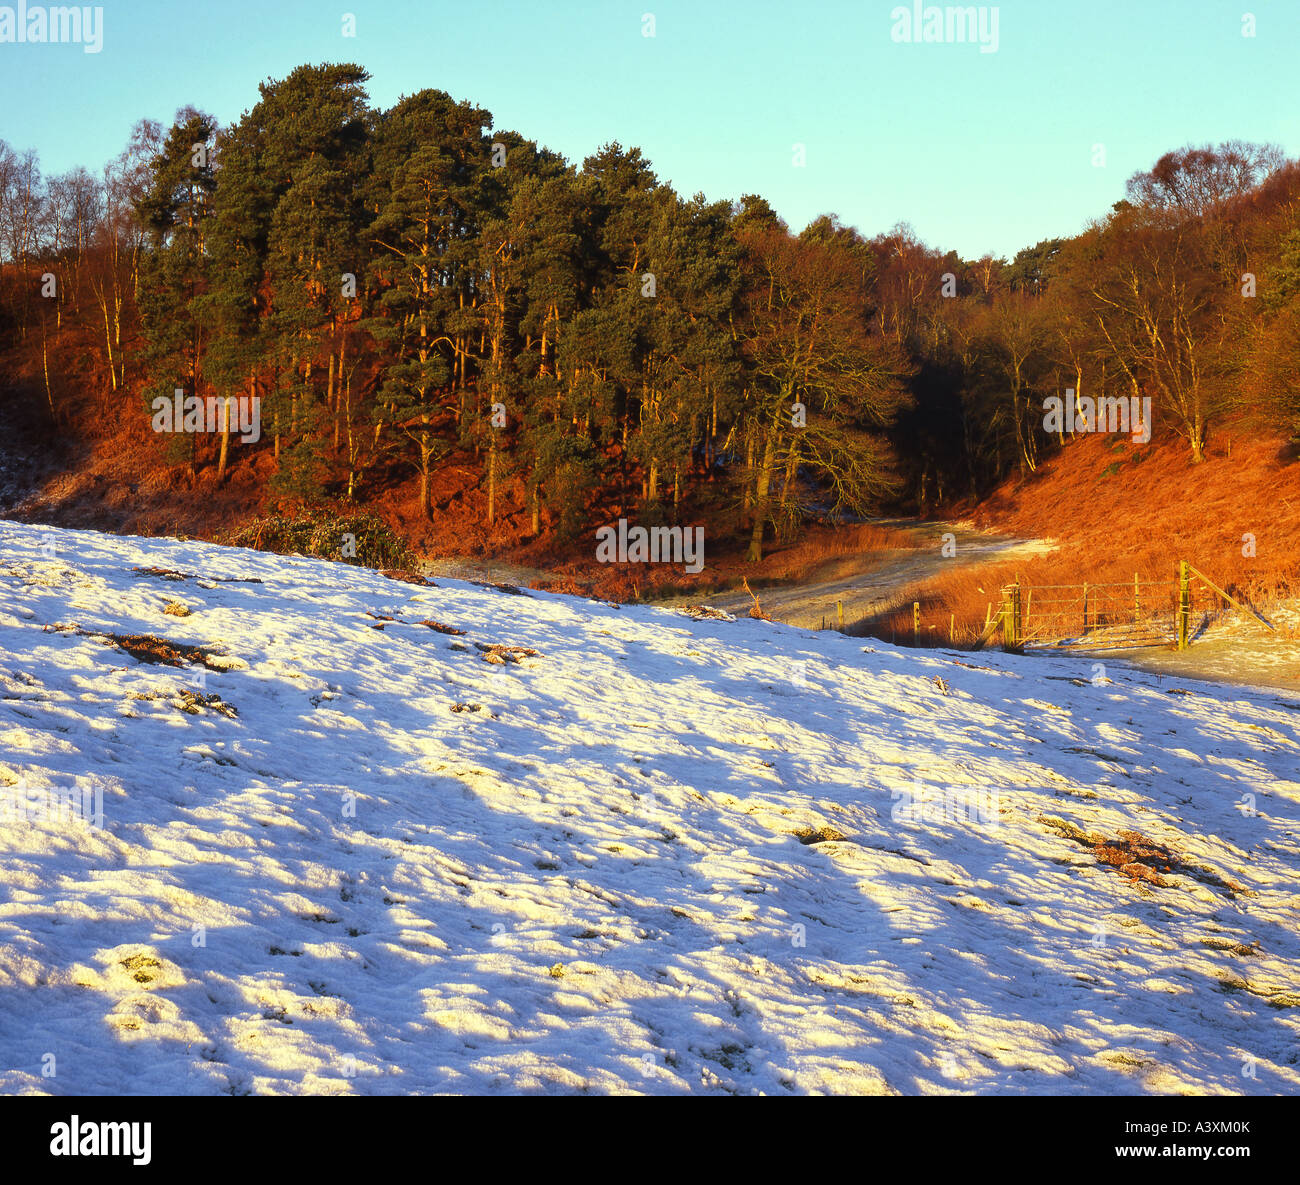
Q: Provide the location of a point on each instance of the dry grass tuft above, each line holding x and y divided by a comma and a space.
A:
812, 835
755, 610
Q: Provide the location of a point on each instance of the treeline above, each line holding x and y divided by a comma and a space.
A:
1187, 294
412, 288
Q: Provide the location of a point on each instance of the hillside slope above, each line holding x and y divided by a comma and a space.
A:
342, 851
1115, 507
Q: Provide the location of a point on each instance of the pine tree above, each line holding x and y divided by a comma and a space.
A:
435, 153
176, 211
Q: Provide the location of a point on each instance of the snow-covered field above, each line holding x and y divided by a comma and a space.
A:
659, 855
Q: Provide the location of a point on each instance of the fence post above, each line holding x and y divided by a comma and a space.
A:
916, 623
839, 614
1137, 599
1011, 619
1184, 606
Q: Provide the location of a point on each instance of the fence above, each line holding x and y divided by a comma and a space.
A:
1122, 616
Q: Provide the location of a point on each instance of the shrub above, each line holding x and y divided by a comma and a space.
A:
363, 539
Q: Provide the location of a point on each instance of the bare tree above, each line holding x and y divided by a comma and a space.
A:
1195, 182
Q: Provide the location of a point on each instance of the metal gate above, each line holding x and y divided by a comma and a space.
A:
1120, 616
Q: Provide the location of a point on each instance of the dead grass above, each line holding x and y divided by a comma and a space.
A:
408, 577
500, 655
1131, 854
148, 649
727, 569
755, 610
1118, 511
801, 562
442, 629
1139, 859
815, 835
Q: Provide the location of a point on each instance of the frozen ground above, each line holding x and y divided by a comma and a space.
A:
1236, 649
663, 855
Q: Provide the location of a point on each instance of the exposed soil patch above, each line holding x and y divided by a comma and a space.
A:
812, 835
407, 577
1140, 859
173, 575
157, 651
512, 589
1137, 857
1131, 854
504, 654
164, 573
192, 704
706, 613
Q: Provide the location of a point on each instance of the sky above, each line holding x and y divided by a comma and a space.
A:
979, 147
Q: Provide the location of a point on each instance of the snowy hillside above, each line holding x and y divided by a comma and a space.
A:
345, 851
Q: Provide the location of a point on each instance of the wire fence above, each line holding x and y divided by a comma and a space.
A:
1099, 616
1120, 615
1114, 616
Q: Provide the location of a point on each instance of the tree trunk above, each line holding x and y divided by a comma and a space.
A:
45, 362
791, 467
331, 403
225, 441
760, 502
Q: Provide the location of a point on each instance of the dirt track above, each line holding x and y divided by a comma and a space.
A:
878, 581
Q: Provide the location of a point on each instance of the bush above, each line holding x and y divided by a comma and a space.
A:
362, 539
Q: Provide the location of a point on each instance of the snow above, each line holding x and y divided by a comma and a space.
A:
360, 860
1236, 648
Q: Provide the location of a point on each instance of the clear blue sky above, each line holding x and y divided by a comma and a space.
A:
978, 151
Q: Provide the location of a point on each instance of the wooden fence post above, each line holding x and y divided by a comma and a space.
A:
1137, 599
839, 615
1184, 606
1011, 618
916, 623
